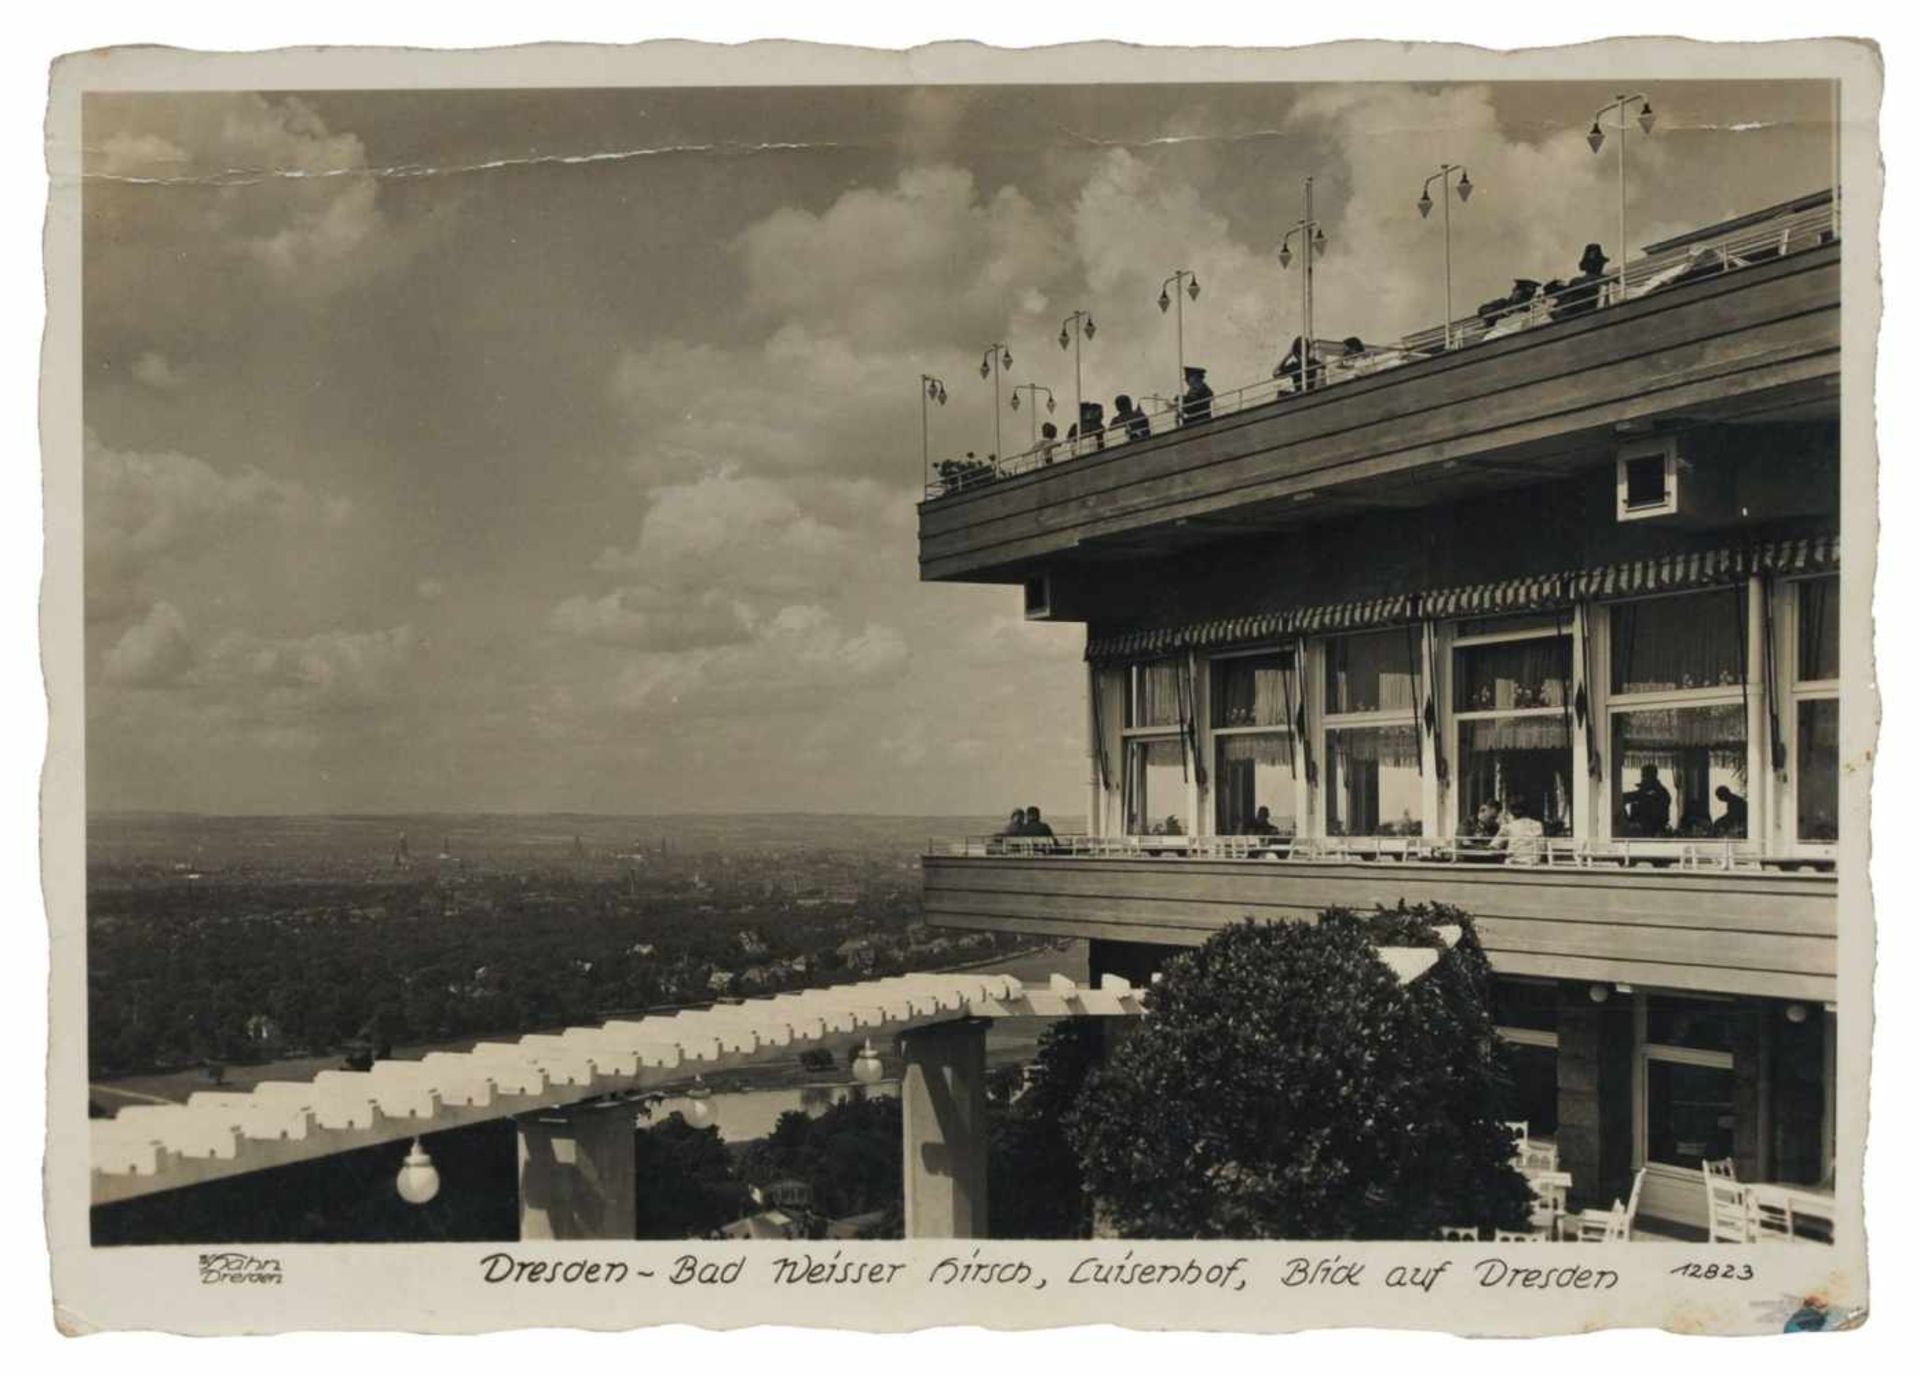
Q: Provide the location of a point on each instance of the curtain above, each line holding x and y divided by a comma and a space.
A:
1159, 687
1819, 629
1512, 674
1397, 747
1238, 766
1251, 691
1515, 733
1695, 641
1661, 737
1370, 673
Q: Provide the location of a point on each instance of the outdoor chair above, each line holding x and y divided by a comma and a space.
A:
1729, 1212
1536, 1157
1549, 1200
1518, 1131
1458, 1234
1615, 1224
1509, 1235
1722, 1169
1769, 1213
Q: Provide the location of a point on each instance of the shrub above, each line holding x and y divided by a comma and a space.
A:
1288, 1085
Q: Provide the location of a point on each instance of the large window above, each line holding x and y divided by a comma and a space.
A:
1687, 1056
1373, 741
1678, 717
1815, 704
1155, 783
1510, 701
1255, 698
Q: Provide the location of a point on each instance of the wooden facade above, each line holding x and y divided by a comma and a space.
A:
1760, 933
1410, 434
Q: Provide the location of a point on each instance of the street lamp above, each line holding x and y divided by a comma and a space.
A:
1033, 390
931, 389
994, 360
867, 1067
1071, 329
1445, 177
1313, 242
1596, 136
699, 1110
418, 1181
1192, 293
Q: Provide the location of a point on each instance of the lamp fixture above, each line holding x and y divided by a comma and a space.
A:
419, 1180
867, 1067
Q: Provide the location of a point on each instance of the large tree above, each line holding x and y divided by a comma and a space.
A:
1288, 1084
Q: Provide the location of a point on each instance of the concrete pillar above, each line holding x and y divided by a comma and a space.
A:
577, 1173
943, 1123
1595, 1075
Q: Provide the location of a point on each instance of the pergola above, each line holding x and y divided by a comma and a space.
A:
571, 1096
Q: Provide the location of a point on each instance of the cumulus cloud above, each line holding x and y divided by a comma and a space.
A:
647, 618
292, 678
799, 658
143, 510
152, 652
152, 369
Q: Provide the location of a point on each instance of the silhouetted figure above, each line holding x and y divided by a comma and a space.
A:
1093, 423
1197, 404
1524, 290
1262, 823
1049, 441
1649, 806
1486, 818
1016, 823
1290, 365
1732, 822
1125, 412
1582, 294
1036, 825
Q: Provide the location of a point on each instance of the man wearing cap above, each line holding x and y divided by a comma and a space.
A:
1197, 404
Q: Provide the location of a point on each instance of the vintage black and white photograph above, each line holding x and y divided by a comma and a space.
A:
773, 668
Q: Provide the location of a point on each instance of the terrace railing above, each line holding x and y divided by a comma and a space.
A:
1331, 362
1685, 853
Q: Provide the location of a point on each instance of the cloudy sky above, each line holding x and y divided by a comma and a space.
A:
558, 450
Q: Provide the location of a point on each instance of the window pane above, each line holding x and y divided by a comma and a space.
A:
1819, 614
1525, 759
1816, 785
1253, 690
1507, 625
1155, 700
1689, 1114
1533, 1097
1156, 787
1253, 772
1680, 771
1665, 643
1697, 1024
1371, 673
1373, 781
1512, 674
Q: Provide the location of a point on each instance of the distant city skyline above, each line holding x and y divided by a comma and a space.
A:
531, 452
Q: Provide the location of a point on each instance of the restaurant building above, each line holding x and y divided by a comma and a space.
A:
1347, 641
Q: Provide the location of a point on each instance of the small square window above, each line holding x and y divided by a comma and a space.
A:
1646, 482
1038, 596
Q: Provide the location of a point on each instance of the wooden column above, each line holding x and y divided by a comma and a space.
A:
577, 1173
943, 1121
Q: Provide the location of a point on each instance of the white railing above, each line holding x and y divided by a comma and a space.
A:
1331, 362
1683, 853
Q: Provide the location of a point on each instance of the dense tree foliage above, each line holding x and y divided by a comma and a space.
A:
849, 1157
688, 1184
1035, 1185
247, 971
1288, 1085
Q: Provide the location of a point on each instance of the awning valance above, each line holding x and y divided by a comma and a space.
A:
1534, 593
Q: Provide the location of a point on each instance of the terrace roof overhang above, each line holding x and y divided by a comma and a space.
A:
1760, 346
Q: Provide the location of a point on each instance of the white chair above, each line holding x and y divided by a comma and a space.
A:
1729, 1212
1537, 1157
1518, 1132
1549, 1201
1449, 1233
1770, 1213
1615, 1224
1508, 1235
1722, 1169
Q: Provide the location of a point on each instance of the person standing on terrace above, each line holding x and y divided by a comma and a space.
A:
1035, 825
1582, 294
1049, 441
1125, 412
1197, 404
1521, 835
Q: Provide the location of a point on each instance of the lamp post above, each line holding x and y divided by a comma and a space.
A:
1596, 136
993, 361
931, 389
1033, 390
1071, 329
1313, 242
1446, 178
1192, 293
